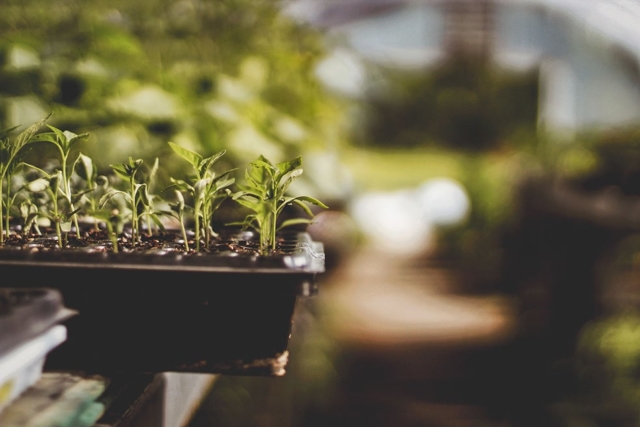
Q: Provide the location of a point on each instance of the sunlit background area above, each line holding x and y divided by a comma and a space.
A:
481, 164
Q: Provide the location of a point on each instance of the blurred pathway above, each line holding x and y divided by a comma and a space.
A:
377, 298
417, 351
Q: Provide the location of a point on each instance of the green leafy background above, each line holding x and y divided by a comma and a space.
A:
209, 75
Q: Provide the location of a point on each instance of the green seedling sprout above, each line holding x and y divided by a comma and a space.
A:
96, 185
109, 217
133, 195
207, 190
29, 213
147, 201
264, 193
178, 212
64, 142
52, 184
11, 151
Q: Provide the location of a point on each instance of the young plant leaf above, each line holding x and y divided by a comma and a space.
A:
264, 194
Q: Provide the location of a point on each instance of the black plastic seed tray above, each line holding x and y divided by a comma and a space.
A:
224, 312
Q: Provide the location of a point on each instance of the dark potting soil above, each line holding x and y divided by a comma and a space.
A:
230, 248
97, 240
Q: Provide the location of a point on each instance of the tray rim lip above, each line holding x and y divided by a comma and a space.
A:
160, 267
307, 257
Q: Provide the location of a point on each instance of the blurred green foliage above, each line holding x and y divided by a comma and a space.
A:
461, 104
209, 75
592, 158
614, 159
606, 388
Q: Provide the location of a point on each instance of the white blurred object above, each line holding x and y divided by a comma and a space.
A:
403, 221
392, 221
22, 366
149, 102
343, 72
20, 57
443, 201
20, 111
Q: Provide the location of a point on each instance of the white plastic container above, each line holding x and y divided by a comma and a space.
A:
21, 367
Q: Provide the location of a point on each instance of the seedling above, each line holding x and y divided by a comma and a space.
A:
57, 214
178, 212
207, 190
147, 201
133, 195
113, 222
64, 141
96, 186
11, 151
29, 214
264, 193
